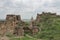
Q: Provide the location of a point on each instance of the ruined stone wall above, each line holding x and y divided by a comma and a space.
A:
19, 31
39, 16
3, 28
12, 21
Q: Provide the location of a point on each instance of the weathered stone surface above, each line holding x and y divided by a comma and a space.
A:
19, 31
2, 28
16, 26
33, 27
12, 21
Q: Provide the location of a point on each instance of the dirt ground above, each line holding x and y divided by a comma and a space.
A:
4, 38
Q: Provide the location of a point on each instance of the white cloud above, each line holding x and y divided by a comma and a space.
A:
28, 7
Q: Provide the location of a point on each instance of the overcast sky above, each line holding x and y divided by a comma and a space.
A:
28, 8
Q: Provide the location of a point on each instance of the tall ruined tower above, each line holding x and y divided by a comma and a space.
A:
12, 21
33, 26
38, 18
31, 23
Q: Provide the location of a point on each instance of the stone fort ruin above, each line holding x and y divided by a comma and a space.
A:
16, 26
